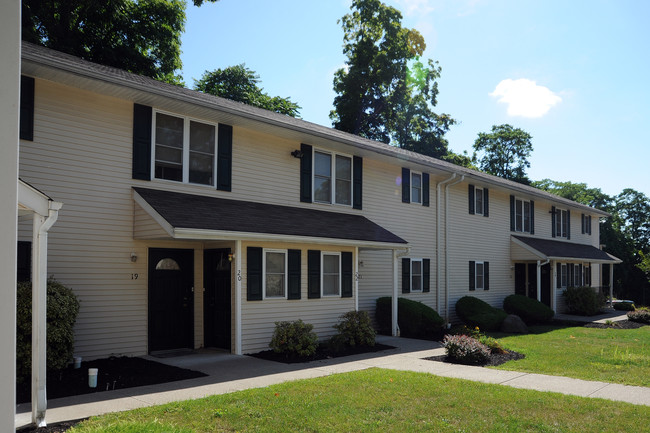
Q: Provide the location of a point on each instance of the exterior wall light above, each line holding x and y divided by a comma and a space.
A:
134, 257
297, 153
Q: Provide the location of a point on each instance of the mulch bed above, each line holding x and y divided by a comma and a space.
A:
321, 353
114, 373
59, 427
494, 359
623, 324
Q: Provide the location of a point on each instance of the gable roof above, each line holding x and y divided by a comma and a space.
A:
191, 216
560, 250
70, 70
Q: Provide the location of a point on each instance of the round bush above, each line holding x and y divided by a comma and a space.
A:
355, 329
294, 339
624, 306
476, 312
530, 310
641, 315
62, 310
413, 318
583, 301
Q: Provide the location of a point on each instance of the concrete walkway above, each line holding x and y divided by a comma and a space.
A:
229, 373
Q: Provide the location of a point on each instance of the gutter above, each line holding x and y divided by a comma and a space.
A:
447, 245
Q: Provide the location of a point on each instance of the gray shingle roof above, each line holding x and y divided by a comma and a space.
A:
187, 211
84, 69
567, 250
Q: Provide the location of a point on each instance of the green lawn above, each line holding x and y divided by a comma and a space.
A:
379, 400
607, 355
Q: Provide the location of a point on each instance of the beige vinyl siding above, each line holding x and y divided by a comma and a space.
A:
375, 278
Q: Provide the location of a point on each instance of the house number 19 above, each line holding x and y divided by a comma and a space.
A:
134, 276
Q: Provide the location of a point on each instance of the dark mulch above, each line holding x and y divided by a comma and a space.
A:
623, 324
59, 427
114, 373
494, 360
322, 352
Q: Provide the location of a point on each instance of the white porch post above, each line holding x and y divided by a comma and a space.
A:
554, 286
611, 284
9, 103
395, 294
539, 280
355, 273
238, 278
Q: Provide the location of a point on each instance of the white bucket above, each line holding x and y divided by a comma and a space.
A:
77, 362
92, 377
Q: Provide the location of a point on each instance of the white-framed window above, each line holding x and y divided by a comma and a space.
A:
480, 275
274, 269
184, 149
416, 275
523, 215
416, 187
561, 223
478, 201
330, 274
562, 276
326, 189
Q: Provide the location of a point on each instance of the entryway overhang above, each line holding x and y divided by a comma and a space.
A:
548, 249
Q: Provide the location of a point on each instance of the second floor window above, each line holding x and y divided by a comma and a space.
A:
184, 150
326, 189
523, 211
561, 223
416, 187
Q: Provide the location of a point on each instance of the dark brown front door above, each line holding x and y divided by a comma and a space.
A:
171, 299
520, 279
216, 298
532, 280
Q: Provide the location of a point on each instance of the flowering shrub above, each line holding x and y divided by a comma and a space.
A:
355, 329
492, 343
641, 315
295, 338
466, 349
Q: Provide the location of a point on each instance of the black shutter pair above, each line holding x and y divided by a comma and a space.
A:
306, 177
26, 108
314, 273
406, 187
406, 275
513, 216
254, 277
471, 194
142, 142
472, 275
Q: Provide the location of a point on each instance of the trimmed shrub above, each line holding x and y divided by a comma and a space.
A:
624, 306
62, 310
465, 349
641, 315
294, 339
475, 312
583, 301
355, 329
414, 318
530, 310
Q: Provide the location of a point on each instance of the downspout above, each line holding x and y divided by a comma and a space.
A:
394, 326
539, 278
447, 245
438, 189
39, 311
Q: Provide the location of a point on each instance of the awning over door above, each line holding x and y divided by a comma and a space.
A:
188, 216
527, 248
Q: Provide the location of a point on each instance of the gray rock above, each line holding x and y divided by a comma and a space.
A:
514, 325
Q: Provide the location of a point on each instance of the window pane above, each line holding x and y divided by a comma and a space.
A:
330, 285
479, 275
331, 276
330, 264
322, 190
169, 155
167, 265
322, 164
416, 267
275, 263
518, 215
169, 130
479, 201
343, 168
274, 285
201, 168
343, 180
201, 137
417, 283
564, 224
343, 191
564, 276
527, 216
322, 177
416, 188
275, 274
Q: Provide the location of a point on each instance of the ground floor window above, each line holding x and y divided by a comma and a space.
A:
275, 273
331, 275
479, 275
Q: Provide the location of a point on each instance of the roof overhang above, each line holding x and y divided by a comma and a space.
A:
31, 200
193, 217
548, 249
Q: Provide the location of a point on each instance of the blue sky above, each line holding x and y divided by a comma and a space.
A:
573, 74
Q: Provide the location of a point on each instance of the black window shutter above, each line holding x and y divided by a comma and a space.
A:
254, 274
589, 225
470, 196
425, 189
224, 158
570, 277
406, 185
582, 223
553, 221
568, 224
406, 275
293, 279
346, 274
580, 274
486, 202
486, 275
558, 279
472, 275
426, 275
141, 142
26, 108
512, 213
357, 182
313, 274
532, 217
305, 173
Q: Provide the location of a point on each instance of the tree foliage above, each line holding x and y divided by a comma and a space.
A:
504, 152
239, 83
386, 92
140, 36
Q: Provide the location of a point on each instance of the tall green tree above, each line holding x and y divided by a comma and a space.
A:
140, 36
239, 83
504, 152
385, 92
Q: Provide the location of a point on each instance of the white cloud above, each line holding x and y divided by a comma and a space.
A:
525, 98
